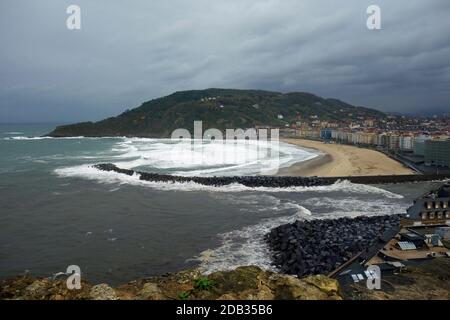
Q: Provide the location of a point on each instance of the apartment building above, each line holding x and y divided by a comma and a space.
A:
437, 152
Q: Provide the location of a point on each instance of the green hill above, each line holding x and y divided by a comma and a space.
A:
217, 108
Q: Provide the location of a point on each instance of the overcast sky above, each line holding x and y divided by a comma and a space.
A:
128, 52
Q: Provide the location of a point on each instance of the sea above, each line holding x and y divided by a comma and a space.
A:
56, 210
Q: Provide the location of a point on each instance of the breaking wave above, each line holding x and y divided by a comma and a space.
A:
190, 157
246, 246
35, 138
206, 158
40, 138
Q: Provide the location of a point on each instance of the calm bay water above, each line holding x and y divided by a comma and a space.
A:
55, 210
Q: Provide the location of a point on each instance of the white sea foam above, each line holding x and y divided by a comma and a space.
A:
39, 161
246, 246
90, 173
192, 157
206, 158
39, 138
57, 138
185, 158
353, 206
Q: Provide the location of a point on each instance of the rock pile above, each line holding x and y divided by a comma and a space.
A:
320, 246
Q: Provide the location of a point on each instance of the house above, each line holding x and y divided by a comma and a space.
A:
412, 237
432, 208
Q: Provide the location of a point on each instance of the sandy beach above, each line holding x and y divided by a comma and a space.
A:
343, 160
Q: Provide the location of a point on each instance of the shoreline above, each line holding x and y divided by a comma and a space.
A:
342, 160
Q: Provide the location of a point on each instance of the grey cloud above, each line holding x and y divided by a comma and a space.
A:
129, 52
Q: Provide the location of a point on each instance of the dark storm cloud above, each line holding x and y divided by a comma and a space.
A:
130, 52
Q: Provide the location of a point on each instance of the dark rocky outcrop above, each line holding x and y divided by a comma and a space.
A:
320, 246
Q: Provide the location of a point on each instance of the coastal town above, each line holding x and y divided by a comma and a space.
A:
422, 143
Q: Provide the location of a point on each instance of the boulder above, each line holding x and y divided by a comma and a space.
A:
38, 289
150, 291
102, 292
327, 285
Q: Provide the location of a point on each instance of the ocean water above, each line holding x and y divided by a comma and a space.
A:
56, 210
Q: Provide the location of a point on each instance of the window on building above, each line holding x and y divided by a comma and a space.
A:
424, 215
439, 215
431, 215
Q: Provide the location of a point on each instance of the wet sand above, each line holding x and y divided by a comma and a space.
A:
342, 160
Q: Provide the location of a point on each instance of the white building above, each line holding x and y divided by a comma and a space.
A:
406, 143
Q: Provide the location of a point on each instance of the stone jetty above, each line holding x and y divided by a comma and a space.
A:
249, 181
271, 181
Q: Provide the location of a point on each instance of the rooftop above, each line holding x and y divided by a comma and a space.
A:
442, 192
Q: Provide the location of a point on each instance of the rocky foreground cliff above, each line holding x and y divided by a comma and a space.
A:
243, 283
430, 280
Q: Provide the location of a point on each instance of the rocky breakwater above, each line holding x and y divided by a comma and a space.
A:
271, 181
320, 246
249, 181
